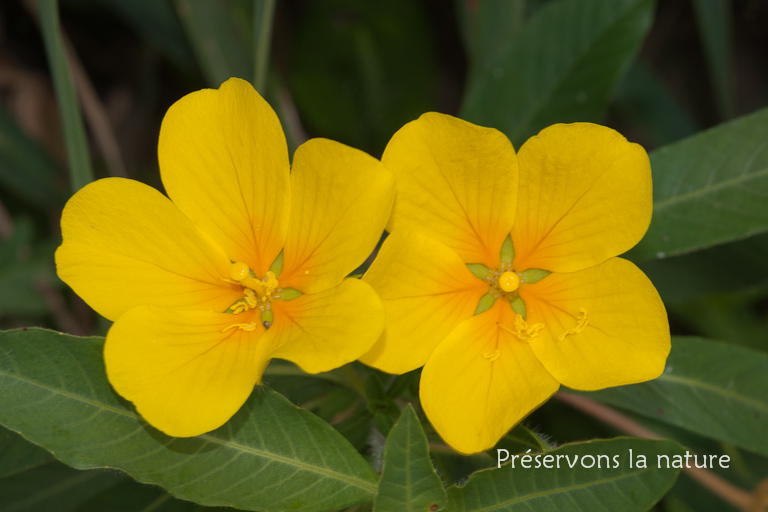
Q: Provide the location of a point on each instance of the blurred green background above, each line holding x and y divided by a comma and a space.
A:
355, 72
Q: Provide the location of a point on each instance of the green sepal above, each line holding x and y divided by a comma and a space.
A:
507, 250
290, 294
478, 270
534, 275
277, 265
486, 302
518, 306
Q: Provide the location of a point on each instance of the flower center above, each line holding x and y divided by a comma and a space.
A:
257, 294
503, 281
262, 288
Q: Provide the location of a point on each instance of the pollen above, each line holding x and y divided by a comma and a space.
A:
509, 281
522, 330
250, 326
492, 355
581, 324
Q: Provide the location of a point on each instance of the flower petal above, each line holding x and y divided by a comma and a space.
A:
224, 162
126, 244
481, 381
185, 371
584, 197
626, 337
457, 182
341, 202
325, 330
427, 291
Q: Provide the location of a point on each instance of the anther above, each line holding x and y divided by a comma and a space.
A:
581, 324
492, 355
250, 326
522, 330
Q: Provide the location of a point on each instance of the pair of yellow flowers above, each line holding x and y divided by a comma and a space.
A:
499, 276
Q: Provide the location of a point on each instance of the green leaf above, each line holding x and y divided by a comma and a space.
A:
221, 46
740, 265
714, 389
25, 168
60, 488
80, 171
708, 189
271, 455
408, 480
53, 486
561, 67
614, 486
644, 102
488, 27
18, 455
521, 439
130, 496
730, 316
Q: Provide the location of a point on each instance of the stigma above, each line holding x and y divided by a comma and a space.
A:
509, 281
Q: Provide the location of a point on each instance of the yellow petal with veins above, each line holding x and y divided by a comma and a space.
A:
481, 381
125, 244
456, 182
187, 372
341, 202
224, 163
605, 326
322, 331
584, 197
427, 291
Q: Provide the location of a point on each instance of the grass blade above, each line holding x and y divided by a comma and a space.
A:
80, 171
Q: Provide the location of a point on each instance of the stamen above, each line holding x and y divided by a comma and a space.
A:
581, 324
269, 282
250, 298
522, 330
492, 355
239, 307
250, 326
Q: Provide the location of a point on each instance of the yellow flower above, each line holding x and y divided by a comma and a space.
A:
246, 262
500, 275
